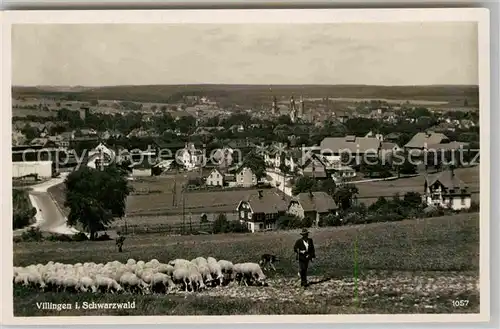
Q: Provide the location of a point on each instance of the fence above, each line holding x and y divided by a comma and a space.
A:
170, 229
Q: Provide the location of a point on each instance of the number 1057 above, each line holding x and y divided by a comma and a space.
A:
460, 303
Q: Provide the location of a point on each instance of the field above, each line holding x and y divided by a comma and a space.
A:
371, 191
154, 201
34, 112
404, 267
154, 205
243, 94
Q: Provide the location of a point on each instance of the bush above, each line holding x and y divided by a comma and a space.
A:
474, 206
222, 225
80, 236
23, 212
103, 237
59, 238
32, 234
330, 220
289, 222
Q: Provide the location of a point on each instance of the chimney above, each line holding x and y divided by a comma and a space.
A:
260, 194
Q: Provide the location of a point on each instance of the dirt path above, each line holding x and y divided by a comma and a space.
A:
406, 290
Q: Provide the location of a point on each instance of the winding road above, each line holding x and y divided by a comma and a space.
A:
49, 218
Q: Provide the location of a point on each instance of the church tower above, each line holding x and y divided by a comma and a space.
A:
301, 108
274, 108
293, 110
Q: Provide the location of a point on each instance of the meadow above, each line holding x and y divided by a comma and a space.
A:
403, 267
153, 202
371, 191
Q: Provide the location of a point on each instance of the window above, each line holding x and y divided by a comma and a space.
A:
249, 215
242, 214
462, 201
436, 196
269, 226
261, 226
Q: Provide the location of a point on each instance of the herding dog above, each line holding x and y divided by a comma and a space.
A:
268, 259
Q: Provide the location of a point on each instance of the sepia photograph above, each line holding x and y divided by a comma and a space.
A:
296, 163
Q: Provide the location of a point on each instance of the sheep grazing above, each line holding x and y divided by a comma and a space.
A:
161, 283
85, 284
216, 271
249, 273
179, 262
136, 276
133, 283
105, 284
181, 276
205, 273
196, 280
165, 269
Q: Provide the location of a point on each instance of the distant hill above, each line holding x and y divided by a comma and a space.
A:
63, 89
454, 94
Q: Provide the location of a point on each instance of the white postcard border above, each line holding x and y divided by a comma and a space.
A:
292, 16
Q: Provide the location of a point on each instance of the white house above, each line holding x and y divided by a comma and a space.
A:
223, 157
101, 155
312, 205
447, 190
216, 178
245, 177
190, 157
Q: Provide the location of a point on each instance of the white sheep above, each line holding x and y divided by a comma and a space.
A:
211, 260
226, 266
216, 271
133, 283
162, 281
196, 280
249, 271
107, 284
205, 272
181, 275
85, 283
179, 262
165, 269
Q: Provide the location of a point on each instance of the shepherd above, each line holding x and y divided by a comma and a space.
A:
304, 250
119, 242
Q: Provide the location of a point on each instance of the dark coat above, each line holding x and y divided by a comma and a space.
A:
299, 247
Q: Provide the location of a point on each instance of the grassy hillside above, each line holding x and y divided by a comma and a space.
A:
405, 267
435, 244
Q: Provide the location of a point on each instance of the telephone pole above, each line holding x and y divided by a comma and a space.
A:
183, 208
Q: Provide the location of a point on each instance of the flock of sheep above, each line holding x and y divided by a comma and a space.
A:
138, 276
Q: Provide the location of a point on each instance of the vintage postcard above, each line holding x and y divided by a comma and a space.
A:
323, 165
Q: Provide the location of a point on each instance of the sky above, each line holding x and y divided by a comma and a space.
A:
144, 54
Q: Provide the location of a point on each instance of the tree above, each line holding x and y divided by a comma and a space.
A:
256, 163
328, 185
412, 199
304, 184
404, 165
23, 212
95, 197
30, 132
344, 196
